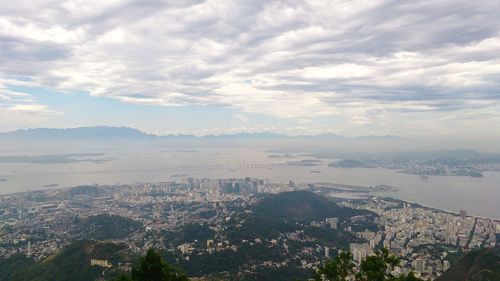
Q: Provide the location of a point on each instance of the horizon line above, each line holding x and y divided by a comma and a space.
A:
235, 133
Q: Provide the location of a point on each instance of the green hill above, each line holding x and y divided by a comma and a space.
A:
102, 227
13, 267
302, 206
72, 263
288, 212
273, 218
482, 265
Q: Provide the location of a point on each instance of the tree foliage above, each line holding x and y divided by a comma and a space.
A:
152, 267
337, 269
374, 268
377, 267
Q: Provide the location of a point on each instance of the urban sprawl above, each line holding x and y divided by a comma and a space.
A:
40, 223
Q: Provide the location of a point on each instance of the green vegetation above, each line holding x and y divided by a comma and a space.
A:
302, 206
373, 268
255, 226
289, 212
72, 263
331, 237
227, 260
481, 265
338, 269
272, 218
102, 227
208, 214
189, 233
14, 267
267, 242
152, 267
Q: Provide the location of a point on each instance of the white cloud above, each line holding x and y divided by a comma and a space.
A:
366, 61
28, 108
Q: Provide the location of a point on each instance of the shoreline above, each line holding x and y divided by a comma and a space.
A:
372, 193
348, 188
440, 210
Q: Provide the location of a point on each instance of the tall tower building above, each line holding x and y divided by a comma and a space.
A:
463, 213
419, 265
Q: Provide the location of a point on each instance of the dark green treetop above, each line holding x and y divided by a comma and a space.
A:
373, 268
152, 267
337, 269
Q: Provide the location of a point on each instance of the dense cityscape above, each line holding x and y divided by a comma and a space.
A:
194, 220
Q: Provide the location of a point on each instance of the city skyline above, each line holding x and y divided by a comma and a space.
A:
425, 69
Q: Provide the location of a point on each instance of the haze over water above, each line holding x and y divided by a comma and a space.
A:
479, 196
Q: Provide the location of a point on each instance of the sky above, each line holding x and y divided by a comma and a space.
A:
428, 68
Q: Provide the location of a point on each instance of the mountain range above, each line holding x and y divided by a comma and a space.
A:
106, 132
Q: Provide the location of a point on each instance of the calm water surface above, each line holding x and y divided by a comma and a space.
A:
480, 196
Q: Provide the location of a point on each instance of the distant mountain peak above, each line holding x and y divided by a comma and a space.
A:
110, 132
96, 132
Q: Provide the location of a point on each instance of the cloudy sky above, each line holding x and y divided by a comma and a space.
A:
357, 67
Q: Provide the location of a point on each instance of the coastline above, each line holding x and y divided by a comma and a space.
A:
369, 191
438, 209
347, 188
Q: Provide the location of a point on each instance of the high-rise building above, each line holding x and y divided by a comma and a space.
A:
333, 222
360, 251
419, 265
463, 213
446, 265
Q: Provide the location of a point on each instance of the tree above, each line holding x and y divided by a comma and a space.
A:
377, 267
152, 267
338, 269
122, 278
373, 268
